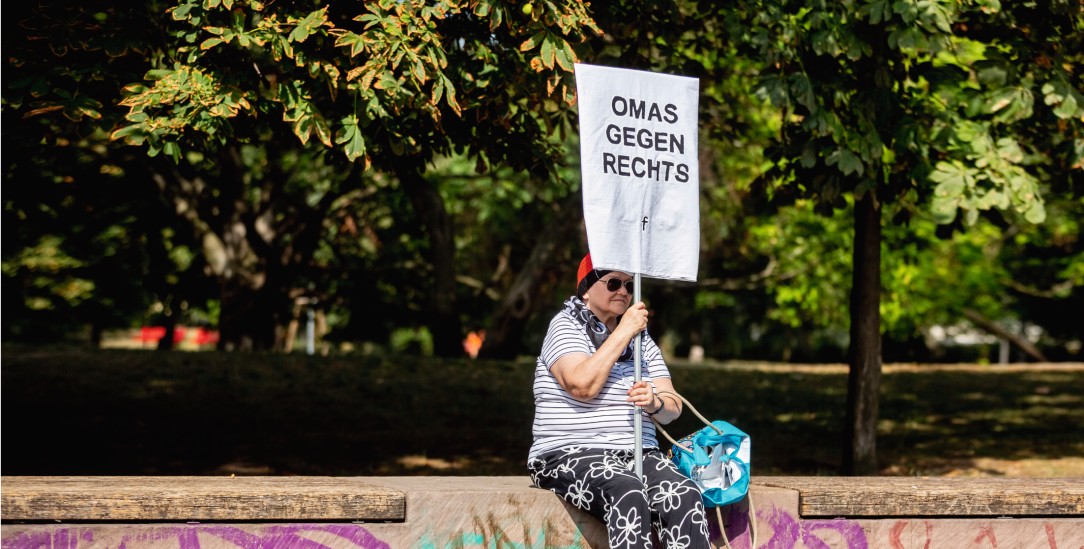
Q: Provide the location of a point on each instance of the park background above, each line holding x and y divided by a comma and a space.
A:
881, 182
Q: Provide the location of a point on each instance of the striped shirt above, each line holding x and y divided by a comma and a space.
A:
604, 422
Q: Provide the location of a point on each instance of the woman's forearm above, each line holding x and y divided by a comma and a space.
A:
669, 410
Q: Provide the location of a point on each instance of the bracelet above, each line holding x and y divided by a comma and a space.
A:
662, 404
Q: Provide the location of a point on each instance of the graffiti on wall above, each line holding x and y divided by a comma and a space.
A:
481, 540
787, 532
779, 529
188, 536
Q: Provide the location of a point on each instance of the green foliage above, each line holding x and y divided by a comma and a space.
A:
372, 81
85, 247
411, 341
811, 255
383, 86
51, 282
927, 280
921, 100
288, 122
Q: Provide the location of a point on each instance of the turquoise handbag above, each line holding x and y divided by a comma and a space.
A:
717, 459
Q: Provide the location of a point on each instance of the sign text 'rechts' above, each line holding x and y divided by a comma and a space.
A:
640, 138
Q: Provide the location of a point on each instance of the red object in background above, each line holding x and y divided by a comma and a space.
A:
474, 342
151, 334
205, 337
200, 335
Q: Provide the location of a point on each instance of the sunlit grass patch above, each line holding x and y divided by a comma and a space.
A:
137, 412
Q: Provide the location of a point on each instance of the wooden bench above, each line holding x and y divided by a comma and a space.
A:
933, 496
393, 512
164, 499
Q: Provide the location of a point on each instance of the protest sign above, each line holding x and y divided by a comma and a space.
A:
638, 150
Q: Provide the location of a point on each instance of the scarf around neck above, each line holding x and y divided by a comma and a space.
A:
596, 331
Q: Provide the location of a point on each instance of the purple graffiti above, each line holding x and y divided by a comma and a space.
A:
28, 540
287, 536
788, 531
187, 537
62, 538
853, 535
785, 529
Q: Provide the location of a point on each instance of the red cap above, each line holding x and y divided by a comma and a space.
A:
587, 276
585, 267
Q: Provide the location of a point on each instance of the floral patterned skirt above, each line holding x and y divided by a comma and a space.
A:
603, 483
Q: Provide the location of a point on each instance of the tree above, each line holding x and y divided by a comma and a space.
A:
1003, 269
390, 85
304, 149
515, 246
912, 103
88, 240
385, 86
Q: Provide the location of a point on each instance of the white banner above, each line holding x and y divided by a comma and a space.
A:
641, 178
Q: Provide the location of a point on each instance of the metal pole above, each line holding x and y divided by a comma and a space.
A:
638, 418
310, 331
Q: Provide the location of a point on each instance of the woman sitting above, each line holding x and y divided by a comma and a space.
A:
586, 400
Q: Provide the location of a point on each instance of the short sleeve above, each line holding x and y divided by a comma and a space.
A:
563, 337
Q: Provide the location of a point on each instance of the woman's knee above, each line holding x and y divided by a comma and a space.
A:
622, 485
677, 495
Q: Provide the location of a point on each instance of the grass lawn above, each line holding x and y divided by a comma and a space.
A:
147, 413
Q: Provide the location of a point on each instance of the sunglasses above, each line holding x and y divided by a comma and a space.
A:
613, 284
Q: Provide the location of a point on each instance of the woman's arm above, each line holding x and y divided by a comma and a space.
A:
670, 408
583, 376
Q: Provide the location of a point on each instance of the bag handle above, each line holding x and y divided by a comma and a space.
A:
659, 427
718, 513
694, 410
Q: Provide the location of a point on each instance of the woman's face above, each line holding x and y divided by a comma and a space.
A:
609, 304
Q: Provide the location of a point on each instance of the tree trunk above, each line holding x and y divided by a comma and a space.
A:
248, 317
96, 335
864, 380
534, 284
242, 244
444, 323
169, 321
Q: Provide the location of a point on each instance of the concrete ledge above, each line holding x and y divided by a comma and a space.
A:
250, 499
933, 497
436, 512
